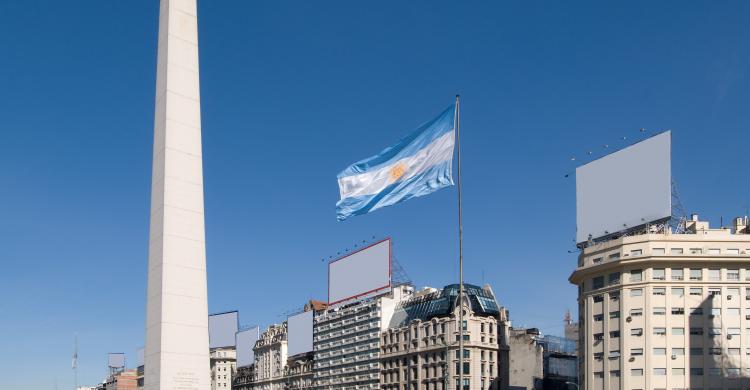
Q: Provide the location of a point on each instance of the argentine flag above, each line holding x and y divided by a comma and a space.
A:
417, 165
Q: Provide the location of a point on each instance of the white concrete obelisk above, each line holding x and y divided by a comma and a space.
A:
176, 353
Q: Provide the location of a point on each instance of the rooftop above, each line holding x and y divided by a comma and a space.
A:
430, 303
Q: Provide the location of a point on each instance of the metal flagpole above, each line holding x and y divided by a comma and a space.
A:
457, 121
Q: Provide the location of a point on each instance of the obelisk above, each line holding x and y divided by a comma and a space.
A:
176, 352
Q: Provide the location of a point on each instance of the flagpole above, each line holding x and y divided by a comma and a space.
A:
457, 120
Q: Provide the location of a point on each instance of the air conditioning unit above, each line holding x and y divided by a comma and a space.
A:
729, 337
729, 297
631, 318
632, 359
747, 317
747, 297
674, 357
711, 316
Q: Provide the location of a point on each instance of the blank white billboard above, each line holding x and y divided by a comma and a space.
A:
625, 189
116, 360
222, 328
361, 273
300, 333
245, 341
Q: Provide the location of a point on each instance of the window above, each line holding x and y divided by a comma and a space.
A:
733, 372
733, 331
660, 311
678, 331
636, 252
733, 351
696, 291
678, 291
660, 371
636, 352
636, 275
598, 282
714, 371
714, 274
677, 274
660, 351
598, 355
636, 332
466, 353
678, 351
696, 251
598, 298
614, 333
696, 331
678, 371
614, 295
696, 274
636, 372
614, 256
658, 274
598, 336
614, 374
636, 312
660, 291
616, 314
676, 251
657, 251
660, 331
636, 292
733, 274
733, 251
597, 260
614, 278
735, 292
716, 311
696, 371
714, 331
733, 311
714, 291
678, 311
614, 354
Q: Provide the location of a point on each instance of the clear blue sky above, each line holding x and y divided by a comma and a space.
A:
294, 92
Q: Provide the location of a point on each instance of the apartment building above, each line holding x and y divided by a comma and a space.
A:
346, 341
666, 311
223, 366
420, 348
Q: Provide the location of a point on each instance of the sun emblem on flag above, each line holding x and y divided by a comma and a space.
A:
397, 172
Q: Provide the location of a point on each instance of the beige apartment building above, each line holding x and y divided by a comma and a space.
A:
223, 367
419, 350
666, 311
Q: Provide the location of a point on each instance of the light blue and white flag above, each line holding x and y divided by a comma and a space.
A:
417, 165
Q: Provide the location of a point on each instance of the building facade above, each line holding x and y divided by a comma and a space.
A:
270, 358
223, 366
420, 348
123, 380
666, 311
346, 342
526, 359
244, 378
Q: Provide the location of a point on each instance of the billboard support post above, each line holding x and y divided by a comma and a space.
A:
457, 126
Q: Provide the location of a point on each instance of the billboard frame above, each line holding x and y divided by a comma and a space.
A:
390, 272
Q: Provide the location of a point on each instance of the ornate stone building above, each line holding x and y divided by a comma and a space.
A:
270, 358
419, 350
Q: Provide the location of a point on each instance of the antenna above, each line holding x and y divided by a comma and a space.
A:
75, 362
